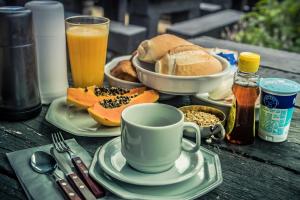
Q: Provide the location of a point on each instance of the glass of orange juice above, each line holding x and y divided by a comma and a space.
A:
87, 44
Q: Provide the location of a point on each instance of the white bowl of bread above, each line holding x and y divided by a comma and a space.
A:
120, 73
175, 66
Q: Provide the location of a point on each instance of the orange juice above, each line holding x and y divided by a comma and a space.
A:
87, 51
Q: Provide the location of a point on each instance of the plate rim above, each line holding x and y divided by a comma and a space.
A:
112, 173
202, 97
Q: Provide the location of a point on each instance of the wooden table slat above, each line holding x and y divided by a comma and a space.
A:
10, 189
249, 179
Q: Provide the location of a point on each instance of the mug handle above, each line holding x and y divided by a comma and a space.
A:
220, 135
197, 132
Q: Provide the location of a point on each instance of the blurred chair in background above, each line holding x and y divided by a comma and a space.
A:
148, 12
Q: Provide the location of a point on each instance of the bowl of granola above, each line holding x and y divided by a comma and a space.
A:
211, 121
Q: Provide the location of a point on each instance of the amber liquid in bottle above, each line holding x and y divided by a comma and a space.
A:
243, 130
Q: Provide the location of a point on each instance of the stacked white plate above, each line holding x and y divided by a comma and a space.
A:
192, 175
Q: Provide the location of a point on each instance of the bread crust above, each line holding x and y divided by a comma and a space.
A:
188, 60
152, 50
125, 71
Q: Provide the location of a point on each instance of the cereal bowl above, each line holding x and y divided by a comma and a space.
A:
211, 121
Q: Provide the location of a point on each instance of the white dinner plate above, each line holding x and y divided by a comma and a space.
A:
114, 164
77, 121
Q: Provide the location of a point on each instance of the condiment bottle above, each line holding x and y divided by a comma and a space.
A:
241, 121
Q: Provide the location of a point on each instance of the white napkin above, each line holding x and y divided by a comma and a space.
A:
40, 186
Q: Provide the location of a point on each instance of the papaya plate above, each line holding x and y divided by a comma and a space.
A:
77, 121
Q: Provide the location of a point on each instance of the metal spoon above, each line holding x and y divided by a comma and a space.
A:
44, 163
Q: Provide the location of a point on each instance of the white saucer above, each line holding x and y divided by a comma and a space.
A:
114, 164
208, 178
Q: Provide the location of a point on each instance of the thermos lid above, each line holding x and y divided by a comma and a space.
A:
15, 26
48, 18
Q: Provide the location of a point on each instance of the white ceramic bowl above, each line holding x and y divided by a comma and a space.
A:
179, 85
116, 82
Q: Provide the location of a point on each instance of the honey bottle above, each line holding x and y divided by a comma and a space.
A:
240, 127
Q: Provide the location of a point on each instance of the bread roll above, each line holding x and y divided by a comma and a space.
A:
125, 71
191, 60
152, 50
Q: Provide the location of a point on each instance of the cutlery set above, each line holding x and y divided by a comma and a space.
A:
63, 162
44, 163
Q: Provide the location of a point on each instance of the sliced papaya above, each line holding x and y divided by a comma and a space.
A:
112, 116
82, 97
87, 97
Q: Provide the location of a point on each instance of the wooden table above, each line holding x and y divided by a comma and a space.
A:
260, 171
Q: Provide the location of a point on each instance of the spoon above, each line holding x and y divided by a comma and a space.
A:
43, 163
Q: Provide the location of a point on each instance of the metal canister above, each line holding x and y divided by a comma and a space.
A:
19, 91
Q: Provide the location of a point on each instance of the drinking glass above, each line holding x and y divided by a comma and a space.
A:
87, 45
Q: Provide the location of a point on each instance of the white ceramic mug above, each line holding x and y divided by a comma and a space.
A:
151, 137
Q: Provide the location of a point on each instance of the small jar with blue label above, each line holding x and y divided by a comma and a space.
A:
278, 97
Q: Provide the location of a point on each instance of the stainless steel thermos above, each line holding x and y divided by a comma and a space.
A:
19, 91
50, 39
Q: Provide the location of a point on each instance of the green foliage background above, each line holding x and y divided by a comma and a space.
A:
272, 24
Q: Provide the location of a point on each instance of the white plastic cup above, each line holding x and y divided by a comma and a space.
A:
49, 32
278, 97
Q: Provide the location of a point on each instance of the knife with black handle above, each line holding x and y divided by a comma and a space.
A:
75, 181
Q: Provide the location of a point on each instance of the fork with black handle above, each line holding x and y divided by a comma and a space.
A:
62, 147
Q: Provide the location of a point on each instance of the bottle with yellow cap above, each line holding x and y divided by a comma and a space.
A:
241, 121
